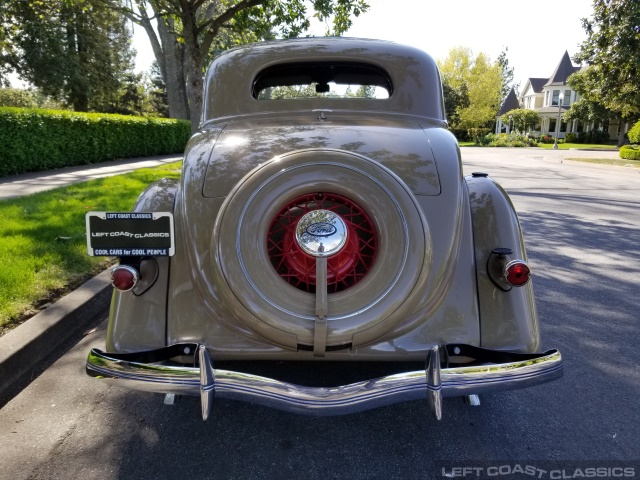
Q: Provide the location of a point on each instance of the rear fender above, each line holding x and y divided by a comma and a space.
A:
507, 319
139, 321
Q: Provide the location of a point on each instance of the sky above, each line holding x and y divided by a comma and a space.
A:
535, 33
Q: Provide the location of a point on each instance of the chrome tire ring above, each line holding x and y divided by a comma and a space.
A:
242, 261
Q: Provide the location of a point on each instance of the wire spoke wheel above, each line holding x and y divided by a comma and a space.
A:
345, 268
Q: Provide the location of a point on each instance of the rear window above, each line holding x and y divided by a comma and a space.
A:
322, 80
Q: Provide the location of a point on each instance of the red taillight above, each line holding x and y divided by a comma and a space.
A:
517, 273
124, 278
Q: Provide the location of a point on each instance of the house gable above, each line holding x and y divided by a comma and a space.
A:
510, 103
564, 69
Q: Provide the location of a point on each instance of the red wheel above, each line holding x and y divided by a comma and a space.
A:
345, 268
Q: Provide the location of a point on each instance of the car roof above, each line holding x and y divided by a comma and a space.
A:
231, 78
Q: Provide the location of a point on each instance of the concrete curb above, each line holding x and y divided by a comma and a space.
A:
26, 347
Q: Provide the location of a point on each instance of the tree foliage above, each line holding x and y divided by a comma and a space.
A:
507, 74
73, 50
523, 119
190, 32
157, 91
612, 52
634, 133
455, 100
587, 112
8, 52
31, 98
472, 86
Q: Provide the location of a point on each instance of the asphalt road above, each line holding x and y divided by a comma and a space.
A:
582, 228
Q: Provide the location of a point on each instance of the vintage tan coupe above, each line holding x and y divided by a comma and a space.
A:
322, 252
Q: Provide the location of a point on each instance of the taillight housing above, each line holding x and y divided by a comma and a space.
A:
124, 278
517, 273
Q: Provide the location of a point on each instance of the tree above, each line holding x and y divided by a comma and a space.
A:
587, 112
454, 100
473, 86
7, 49
612, 52
365, 91
157, 92
506, 72
75, 50
189, 31
523, 119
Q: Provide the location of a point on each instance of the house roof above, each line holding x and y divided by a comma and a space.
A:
562, 71
537, 84
510, 103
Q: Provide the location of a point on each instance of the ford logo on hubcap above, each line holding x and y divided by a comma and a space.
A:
321, 233
322, 229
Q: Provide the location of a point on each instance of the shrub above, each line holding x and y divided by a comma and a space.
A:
15, 97
594, 136
504, 140
571, 138
630, 152
486, 140
477, 133
34, 140
634, 133
546, 139
460, 134
598, 136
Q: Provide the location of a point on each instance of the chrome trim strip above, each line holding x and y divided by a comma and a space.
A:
356, 397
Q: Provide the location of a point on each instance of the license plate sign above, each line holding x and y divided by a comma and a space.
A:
130, 234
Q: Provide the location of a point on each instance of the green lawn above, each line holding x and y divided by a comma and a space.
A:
620, 162
43, 250
567, 146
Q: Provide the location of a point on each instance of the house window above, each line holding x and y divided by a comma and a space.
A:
555, 98
567, 97
546, 100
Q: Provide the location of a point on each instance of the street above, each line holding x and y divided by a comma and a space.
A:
582, 229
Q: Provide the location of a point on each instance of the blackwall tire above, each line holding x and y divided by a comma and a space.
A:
247, 279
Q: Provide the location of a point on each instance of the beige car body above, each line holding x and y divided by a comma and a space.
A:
430, 284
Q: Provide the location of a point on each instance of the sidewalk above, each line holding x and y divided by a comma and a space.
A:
28, 183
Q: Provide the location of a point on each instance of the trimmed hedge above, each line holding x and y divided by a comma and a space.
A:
630, 152
33, 140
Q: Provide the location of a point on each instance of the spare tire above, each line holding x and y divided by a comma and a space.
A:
395, 250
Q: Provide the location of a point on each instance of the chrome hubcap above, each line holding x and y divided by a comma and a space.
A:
321, 233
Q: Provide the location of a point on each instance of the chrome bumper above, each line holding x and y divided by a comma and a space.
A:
140, 371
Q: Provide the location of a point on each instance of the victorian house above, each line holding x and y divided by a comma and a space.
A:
551, 97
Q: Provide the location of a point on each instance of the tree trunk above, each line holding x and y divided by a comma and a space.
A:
193, 71
194, 53
172, 71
